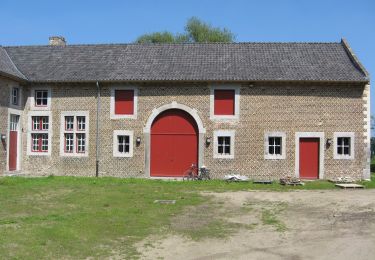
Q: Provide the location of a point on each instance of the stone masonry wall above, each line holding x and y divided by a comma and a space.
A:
264, 107
5, 89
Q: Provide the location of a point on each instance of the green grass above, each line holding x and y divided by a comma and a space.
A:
72, 217
269, 216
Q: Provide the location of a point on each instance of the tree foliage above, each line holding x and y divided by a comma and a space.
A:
195, 31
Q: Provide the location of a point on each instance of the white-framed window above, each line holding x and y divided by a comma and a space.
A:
225, 102
40, 98
343, 144
224, 144
274, 145
39, 133
123, 143
124, 102
15, 98
74, 133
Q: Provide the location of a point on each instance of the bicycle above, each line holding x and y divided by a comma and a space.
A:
195, 173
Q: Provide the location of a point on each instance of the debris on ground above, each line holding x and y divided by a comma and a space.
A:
235, 177
165, 201
289, 180
262, 181
342, 179
349, 186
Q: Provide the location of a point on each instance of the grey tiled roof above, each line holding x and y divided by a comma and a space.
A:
188, 62
7, 67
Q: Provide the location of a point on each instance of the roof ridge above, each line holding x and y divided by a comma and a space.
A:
354, 58
161, 44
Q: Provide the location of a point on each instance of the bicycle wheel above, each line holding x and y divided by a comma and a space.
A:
187, 177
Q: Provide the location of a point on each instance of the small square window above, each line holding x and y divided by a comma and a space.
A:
274, 145
123, 143
343, 146
223, 145
41, 98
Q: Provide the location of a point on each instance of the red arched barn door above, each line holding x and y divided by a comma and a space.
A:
174, 143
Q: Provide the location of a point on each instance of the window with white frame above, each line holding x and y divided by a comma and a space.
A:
274, 145
225, 102
124, 102
224, 144
343, 145
15, 96
39, 139
122, 143
39, 133
40, 99
74, 133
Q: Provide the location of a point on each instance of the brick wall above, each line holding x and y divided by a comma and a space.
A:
285, 107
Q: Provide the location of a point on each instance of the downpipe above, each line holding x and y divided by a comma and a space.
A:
97, 130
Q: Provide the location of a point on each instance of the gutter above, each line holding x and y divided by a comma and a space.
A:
97, 141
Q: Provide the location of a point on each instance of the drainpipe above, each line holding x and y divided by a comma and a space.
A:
97, 130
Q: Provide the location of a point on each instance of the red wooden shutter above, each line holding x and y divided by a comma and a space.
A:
224, 102
124, 102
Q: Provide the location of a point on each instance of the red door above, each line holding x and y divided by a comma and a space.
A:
13, 142
174, 143
309, 158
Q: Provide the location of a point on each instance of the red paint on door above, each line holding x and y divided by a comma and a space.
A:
224, 102
124, 102
309, 158
13, 143
174, 143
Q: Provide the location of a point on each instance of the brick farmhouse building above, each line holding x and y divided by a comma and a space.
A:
264, 110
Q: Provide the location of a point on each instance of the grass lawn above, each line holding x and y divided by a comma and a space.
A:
71, 217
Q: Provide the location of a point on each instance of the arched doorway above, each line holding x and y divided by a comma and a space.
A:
174, 143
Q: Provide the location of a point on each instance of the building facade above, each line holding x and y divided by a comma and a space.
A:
261, 110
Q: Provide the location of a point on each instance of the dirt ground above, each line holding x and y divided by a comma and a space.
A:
272, 225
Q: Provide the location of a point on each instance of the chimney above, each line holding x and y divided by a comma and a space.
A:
57, 41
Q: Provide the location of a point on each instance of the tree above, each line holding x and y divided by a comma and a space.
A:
195, 31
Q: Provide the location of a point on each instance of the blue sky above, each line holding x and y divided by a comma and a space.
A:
80, 21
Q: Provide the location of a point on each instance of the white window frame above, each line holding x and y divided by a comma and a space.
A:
135, 102
18, 106
224, 133
337, 156
236, 89
75, 131
30, 131
117, 133
268, 156
32, 99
